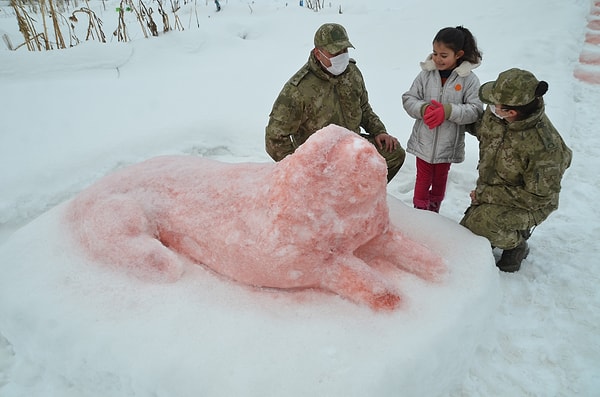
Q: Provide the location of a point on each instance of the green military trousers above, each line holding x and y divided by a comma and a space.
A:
504, 227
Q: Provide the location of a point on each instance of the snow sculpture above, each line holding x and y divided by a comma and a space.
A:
317, 219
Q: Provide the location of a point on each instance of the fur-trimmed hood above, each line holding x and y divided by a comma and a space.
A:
462, 70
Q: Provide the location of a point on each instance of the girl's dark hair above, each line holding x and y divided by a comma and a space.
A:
457, 39
527, 110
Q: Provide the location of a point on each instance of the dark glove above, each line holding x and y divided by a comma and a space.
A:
434, 114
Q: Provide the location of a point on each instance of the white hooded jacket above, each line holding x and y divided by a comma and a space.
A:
445, 143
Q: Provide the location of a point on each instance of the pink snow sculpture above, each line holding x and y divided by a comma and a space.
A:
317, 219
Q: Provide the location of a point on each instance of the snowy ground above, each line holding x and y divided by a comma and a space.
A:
69, 117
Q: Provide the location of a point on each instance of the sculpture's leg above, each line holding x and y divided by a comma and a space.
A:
353, 279
405, 253
117, 230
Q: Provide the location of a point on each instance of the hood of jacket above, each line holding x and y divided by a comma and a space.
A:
462, 70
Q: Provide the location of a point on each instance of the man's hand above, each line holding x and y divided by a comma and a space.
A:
386, 141
473, 196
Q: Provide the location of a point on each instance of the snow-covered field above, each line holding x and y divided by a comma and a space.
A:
68, 117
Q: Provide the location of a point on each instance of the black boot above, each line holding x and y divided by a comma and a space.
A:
511, 259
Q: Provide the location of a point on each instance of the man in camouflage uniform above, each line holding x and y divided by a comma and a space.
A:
522, 159
328, 89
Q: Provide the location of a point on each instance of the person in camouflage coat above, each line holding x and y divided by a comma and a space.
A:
522, 159
328, 89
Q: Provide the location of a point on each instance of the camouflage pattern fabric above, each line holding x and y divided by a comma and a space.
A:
332, 37
502, 226
313, 99
521, 165
514, 87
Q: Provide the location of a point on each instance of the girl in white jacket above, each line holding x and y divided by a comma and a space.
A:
443, 100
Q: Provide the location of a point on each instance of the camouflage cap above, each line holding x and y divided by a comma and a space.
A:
514, 87
332, 37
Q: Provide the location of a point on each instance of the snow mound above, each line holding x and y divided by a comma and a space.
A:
88, 327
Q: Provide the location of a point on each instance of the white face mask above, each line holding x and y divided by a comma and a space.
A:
339, 63
493, 110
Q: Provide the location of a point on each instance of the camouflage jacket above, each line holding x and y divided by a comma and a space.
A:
313, 99
521, 164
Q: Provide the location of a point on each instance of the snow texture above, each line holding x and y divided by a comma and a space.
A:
73, 327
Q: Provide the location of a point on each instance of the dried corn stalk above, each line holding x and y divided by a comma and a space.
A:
60, 42
94, 29
175, 7
121, 31
140, 17
165, 17
26, 27
147, 12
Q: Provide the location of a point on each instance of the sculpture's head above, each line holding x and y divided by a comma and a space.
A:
344, 168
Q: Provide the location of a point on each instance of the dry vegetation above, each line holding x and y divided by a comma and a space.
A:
315, 5
45, 24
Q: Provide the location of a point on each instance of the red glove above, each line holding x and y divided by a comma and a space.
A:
428, 110
434, 114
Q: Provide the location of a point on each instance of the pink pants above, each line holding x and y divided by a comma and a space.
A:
430, 186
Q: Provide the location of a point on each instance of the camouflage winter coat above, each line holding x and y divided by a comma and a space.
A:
445, 143
313, 99
521, 164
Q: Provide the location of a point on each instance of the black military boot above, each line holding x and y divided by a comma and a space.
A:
511, 259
